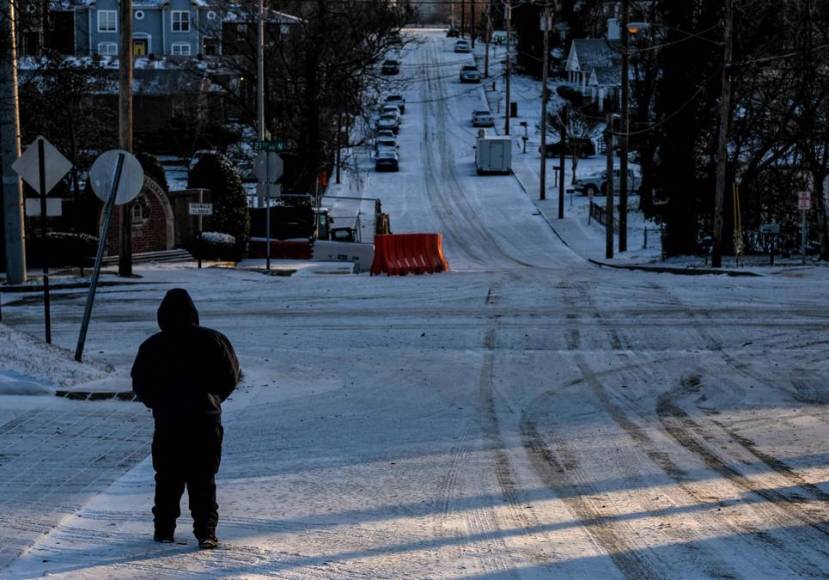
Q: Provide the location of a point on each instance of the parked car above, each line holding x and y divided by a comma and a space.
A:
462, 46
386, 143
596, 183
390, 67
470, 74
384, 133
390, 110
452, 32
389, 122
397, 100
582, 147
482, 119
386, 160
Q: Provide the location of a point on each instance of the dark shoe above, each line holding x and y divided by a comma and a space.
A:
210, 543
163, 537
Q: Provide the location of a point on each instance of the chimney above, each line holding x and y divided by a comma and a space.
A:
613, 30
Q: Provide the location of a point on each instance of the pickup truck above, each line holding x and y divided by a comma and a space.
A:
597, 182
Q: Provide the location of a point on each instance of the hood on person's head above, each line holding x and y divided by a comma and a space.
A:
177, 310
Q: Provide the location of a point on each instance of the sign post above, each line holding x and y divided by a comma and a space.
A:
42, 167
804, 204
126, 179
200, 209
268, 168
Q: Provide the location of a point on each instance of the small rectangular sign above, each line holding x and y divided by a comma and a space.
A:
770, 229
54, 207
200, 208
804, 201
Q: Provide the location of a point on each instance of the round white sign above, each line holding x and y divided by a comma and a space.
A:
102, 175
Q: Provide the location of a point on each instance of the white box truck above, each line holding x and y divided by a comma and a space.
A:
493, 155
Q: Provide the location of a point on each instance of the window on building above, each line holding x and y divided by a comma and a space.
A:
181, 20
180, 49
107, 21
140, 210
108, 49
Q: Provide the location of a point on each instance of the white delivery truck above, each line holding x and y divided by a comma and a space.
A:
493, 155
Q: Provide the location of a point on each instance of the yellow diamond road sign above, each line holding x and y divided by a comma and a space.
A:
55, 164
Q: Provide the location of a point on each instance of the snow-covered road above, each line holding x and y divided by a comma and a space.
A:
526, 415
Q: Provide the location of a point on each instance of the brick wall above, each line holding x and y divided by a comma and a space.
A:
149, 224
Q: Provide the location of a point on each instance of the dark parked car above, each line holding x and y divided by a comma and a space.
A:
453, 33
582, 147
390, 67
398, 101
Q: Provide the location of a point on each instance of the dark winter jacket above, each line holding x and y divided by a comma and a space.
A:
184, 372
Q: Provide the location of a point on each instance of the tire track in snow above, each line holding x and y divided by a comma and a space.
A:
691, 435
553, 465
456, 208
519, 513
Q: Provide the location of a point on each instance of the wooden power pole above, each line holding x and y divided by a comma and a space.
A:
608, 251
542, 183
722, 140
508, 15
623, 158
12, 191
125, 128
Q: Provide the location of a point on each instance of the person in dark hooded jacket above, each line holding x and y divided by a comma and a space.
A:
183, 374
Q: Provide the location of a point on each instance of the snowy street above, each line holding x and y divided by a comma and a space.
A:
525, 415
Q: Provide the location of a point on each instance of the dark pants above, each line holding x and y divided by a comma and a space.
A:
188, 455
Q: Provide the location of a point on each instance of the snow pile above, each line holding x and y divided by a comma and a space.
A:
31, 367
218, 238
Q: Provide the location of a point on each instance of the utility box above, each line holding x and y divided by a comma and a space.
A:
493, 155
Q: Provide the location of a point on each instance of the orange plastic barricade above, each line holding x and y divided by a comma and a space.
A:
401, 254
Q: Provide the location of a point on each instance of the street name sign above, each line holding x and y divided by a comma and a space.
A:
200, 208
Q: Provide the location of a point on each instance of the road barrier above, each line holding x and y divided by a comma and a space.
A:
401, 254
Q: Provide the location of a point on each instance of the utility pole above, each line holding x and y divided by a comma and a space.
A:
722, 140
508, 15
473, 27
623, 159
542, 183
608, 248
15, 233
264, 190
125, 128
463, 18
487, 35
561, 163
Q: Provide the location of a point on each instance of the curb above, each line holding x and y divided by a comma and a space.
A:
71, 286
677, 271
541, 213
